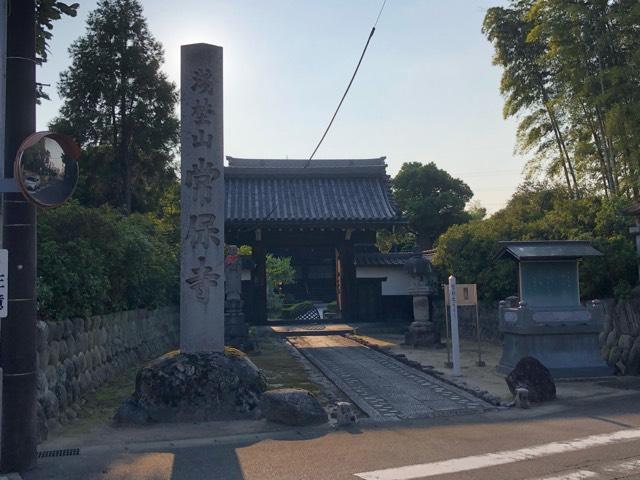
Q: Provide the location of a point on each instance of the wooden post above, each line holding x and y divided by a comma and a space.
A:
348, 282
259, 280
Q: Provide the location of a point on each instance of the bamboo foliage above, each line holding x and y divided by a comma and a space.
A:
571, 74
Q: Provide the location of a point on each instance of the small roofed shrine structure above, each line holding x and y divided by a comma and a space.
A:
320, 213
548, 322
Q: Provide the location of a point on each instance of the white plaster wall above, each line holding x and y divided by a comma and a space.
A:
397, 283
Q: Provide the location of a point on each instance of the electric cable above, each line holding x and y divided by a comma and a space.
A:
373, 30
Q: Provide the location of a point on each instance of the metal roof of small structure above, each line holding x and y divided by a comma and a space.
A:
548, 249
265, 192
378, 259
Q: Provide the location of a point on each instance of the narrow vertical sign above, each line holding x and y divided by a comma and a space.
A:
4, 282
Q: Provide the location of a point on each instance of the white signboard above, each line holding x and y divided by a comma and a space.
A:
466, 293
4, 282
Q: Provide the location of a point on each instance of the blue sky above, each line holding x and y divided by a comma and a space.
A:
426, 90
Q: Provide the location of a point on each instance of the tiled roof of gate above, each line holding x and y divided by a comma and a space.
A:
379, 259
323, 192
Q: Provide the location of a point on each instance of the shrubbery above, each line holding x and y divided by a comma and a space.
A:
95, 260
541, 214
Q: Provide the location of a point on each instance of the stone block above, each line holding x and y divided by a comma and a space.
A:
43, 358
42, 385
50, 404
612, 338
41, 420
78, 325
533, 376
42, 335
292, 406
625, 341
633, 362
70, 369
62, 374
54, 352
64, 350
71, 345
614, 356
63, 398
68, 328
52, 375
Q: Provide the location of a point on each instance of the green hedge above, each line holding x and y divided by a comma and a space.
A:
469, 250
94, 260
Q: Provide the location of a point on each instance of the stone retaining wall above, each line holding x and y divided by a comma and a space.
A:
620, 339
79, 354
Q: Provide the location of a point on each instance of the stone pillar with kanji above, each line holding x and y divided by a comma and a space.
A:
202, 197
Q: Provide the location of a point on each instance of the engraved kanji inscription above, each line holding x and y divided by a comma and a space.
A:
200, 179
202, 81
203, 278
202, 231
202, 112
202, 140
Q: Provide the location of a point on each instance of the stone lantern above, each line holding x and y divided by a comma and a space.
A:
422, 332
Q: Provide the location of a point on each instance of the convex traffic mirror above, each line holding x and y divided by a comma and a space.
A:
46, 168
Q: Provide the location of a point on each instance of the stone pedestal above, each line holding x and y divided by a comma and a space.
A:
183, 387
422, 331
236, 330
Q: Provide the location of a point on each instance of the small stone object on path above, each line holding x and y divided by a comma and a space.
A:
345, 414
292, 406
185, 387
529, 373
522, 398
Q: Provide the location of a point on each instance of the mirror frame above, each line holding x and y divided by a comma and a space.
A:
69, 147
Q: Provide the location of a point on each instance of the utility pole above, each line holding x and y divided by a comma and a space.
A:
18, 339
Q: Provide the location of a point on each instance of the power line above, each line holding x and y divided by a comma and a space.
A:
373, 29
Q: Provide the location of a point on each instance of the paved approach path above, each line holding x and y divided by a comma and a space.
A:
384, 388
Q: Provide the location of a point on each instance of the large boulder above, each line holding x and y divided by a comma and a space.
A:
292, 406
186, 387
529, 373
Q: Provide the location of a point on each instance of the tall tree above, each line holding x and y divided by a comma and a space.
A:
121, 107
431, 199
572, 75
526, 84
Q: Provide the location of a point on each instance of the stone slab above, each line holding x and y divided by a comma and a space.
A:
312, 330
385, 389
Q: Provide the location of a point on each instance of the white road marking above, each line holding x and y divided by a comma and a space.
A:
631, 466
578, 475
475, 462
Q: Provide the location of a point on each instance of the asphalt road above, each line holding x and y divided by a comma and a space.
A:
533, 445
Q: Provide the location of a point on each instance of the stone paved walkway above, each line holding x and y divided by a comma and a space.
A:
382, 387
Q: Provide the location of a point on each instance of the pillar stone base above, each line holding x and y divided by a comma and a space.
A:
236, 329
192, 387
422, 334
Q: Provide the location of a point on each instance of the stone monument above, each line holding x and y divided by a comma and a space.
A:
549, 323
422, 332
204, 380
202, 200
